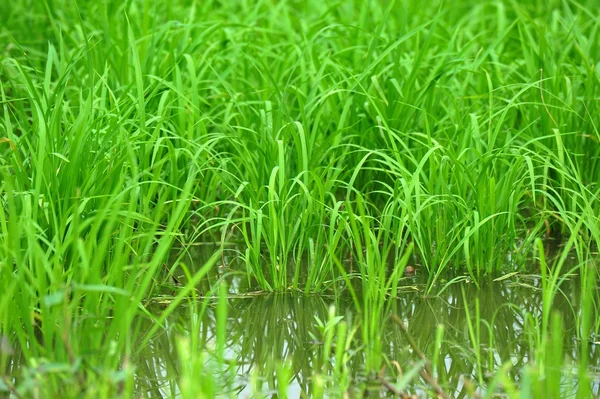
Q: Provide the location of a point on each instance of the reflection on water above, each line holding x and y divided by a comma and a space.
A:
269, 329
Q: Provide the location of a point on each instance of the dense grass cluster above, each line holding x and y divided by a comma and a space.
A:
321, 146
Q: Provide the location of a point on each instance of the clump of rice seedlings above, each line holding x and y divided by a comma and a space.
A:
377, 285
322, 146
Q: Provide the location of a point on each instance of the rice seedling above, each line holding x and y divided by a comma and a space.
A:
304, 148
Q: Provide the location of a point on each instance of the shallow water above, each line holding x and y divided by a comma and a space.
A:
267, 329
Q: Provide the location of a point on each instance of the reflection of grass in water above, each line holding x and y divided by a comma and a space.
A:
280, 329
327, 140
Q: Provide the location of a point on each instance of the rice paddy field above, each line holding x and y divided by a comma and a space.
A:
299, 198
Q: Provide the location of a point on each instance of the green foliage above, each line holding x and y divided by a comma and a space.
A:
332, 144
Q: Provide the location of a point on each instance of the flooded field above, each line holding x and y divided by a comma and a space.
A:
466, 332
299, 199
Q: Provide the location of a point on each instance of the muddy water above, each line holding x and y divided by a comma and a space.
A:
268, 329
